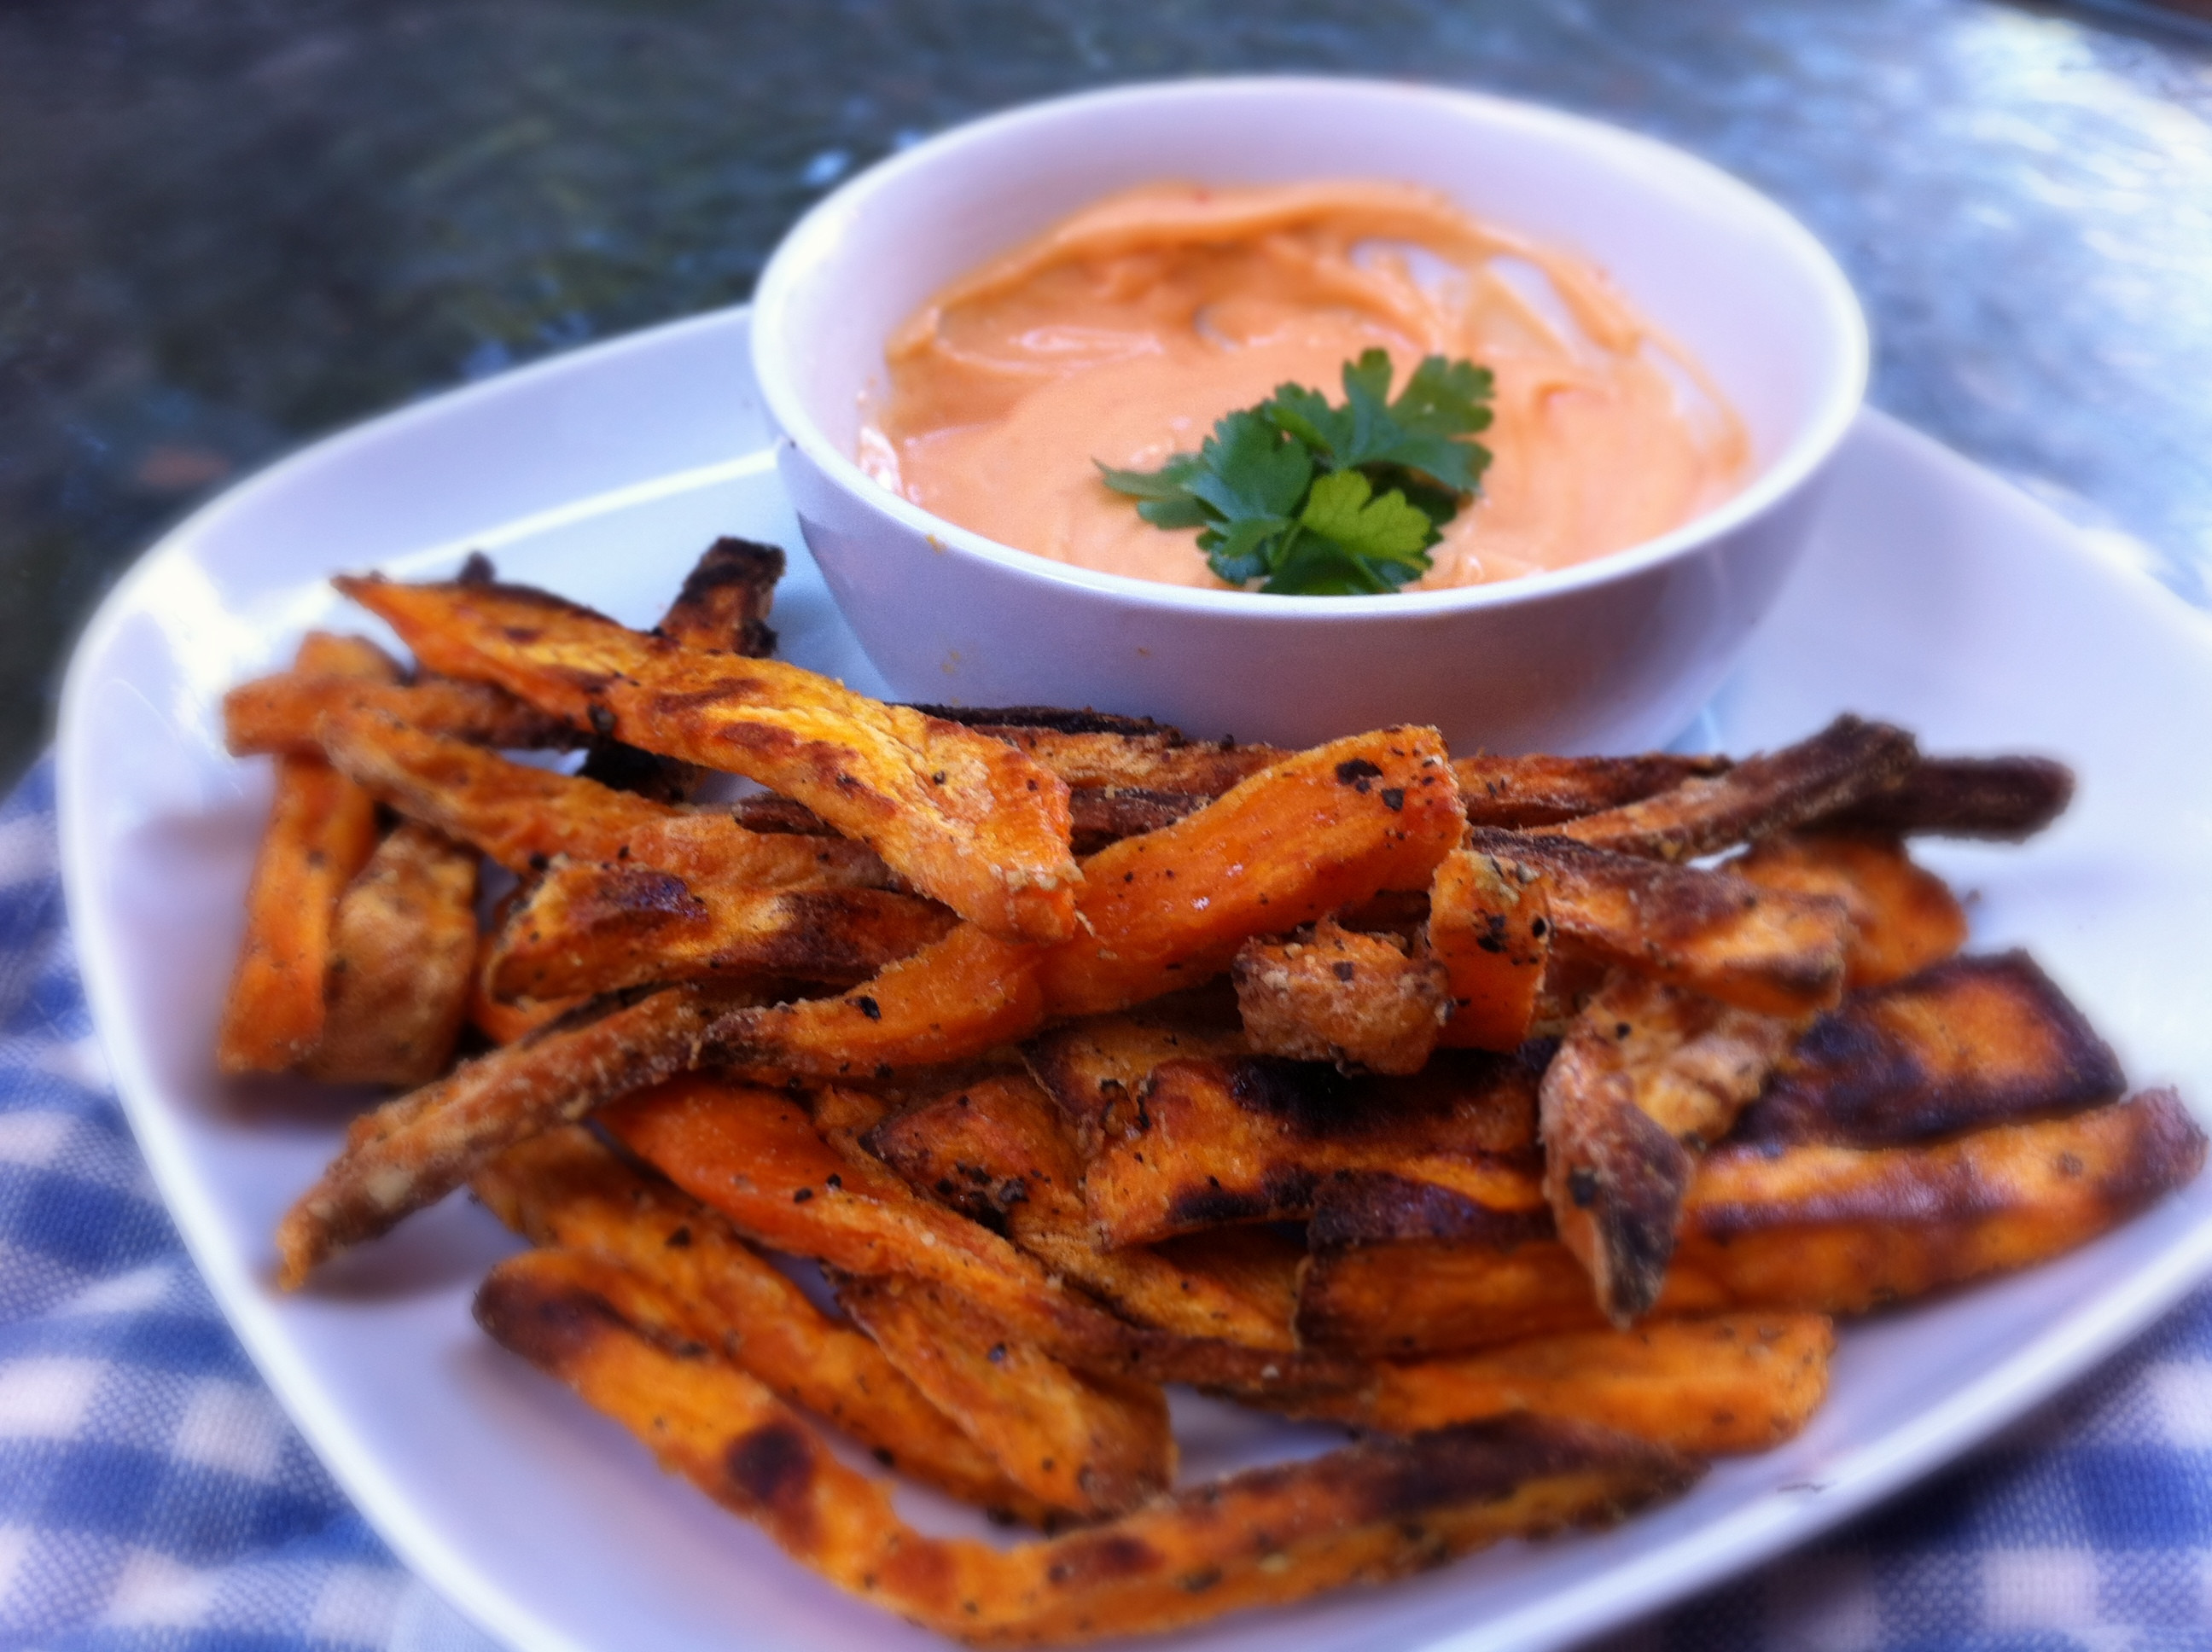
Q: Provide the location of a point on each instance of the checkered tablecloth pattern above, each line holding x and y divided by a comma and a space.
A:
153, 1497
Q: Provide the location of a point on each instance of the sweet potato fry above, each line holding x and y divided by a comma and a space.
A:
522, 818
1215, 1142
1771, 950
596, 927
280, 714
413, 1151
965, 819
996, 1152
1401, 1269
321, 831
1088, 749
1526, 793
1094, 1069
1772, 792
1903, 917
1319, 830
1733, 1382
1100, 815
1328, 993
403, 949
1646, 1076
1090, 1445
563, 1190
1973, 1041
755, 1156
1363, 1513
1490, 928
2003, 798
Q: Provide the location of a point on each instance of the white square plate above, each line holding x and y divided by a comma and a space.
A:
1935, 598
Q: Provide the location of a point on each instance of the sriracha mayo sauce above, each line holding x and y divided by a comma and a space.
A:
1122, 334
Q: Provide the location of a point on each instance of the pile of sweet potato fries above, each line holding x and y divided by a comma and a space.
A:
1472, 1103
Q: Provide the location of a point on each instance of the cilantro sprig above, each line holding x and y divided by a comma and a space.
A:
1328, 501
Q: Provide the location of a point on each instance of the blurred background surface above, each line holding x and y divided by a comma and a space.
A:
227, 227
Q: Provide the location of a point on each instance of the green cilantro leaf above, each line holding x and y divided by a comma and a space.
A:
1318, 500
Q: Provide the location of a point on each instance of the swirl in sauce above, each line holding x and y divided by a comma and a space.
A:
1123, 333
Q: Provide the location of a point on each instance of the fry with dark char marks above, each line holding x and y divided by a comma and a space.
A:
1524, 792
522, 817
1490, 928
1362, 1514
1093, 1069
587, 927
564, 1190
281, 714
1646, 1076
1733, 1382
1319, 830
1328, 993
1771, 950
1090, 1445
965, 819
2004, 799
403, 950
755, 1156
1771, 792
1903, 917
413, 1151
321, 831
1974, 1041
1403, 1269
995, 1151
1252, 1140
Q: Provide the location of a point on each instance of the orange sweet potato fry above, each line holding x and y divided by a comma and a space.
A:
403, 949
596, 927
965, 819
1522, 794
522, 817
1366, 1002
1903, 917
321, 831
563, 1190
1090, 1445
1489, 927
282, 714
1319, 830
1359, 1514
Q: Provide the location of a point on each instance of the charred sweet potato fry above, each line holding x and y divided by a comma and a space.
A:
281, 714
1903, 917
1733, 1383
1973, 1041
1772, 792
415, 1150
587, 927
1490, 928
1401, 1269
403, 950
1270, 1535
1099, 750
1523, 794
321, 831
2003, 798
1214, 1142
522, 818
756, 1156
996, 1152
1771, 950
1646, 1076
1317, 831
965, 819
1094, 1069
1100, 815
1090, 1445
1328, 993
565, 1190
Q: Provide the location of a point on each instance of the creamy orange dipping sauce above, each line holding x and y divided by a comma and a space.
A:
1122, 334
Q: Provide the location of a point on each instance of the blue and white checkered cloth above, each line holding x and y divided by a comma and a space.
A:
153, 1499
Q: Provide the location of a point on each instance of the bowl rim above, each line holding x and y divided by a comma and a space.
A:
1845, 364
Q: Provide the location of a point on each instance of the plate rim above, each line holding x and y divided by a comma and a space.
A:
1736, 1542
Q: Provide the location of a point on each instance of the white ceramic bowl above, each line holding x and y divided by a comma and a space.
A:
1616, 653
